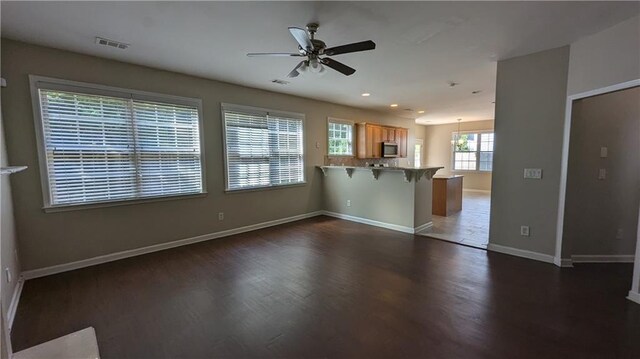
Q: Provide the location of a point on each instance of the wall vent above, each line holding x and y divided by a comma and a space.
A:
280, 82
111, 43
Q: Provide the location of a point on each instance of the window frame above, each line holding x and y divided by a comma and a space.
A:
262, 111
49, 83
453, 152
353, 136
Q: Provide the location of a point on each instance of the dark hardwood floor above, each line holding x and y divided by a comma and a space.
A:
324, 287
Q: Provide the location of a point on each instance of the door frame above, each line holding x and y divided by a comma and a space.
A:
558, 260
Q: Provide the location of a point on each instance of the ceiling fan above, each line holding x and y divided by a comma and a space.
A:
312, 49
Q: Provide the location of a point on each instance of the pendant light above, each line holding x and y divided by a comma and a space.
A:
457, 141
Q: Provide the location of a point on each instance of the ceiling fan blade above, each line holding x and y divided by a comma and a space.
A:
294, 72
338, 66
301, 37
355, 47
256, 54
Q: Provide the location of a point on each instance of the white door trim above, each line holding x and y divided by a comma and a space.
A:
564, 164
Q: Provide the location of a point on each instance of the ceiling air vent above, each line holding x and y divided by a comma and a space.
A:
280, 82
112, 43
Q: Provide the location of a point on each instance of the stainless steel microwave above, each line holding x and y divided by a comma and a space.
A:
389, 149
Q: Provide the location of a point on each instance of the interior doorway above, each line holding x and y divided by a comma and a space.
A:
461, 205
599, 200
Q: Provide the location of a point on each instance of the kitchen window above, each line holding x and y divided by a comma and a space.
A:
102, 145
473, 151
263, 148
340, 136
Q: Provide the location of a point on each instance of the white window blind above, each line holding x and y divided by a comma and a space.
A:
102, 149
262, 149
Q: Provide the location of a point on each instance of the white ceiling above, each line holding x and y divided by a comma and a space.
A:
421, 46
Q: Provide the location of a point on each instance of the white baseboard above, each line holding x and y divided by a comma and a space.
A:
41, 272
423, 227
13, 306
476, 190
578, 258
563, 262
521, 253
371, 222
634, 297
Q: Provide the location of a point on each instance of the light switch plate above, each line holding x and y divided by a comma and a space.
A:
533, 173
604, 152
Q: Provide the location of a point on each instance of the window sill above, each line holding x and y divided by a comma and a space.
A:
264, 188
125, 202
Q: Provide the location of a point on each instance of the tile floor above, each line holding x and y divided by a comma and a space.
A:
470, 226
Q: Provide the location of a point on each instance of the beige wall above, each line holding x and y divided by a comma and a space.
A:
596, 209
437, 144
389, 199
57, 238
606, 58
530, 106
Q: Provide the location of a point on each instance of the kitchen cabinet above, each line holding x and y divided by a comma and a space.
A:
369, 139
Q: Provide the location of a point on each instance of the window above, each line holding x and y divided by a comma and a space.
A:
473, 151
417, 154
100, 144
263, 148
340, 137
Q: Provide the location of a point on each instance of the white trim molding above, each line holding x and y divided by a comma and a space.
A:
634, 296
476, 190
371, 222
564, 159
563, 262
616, 258
423, 227
541, 257
41, 272
13, 306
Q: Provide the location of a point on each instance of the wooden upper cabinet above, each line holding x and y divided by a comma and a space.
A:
369, 139
402, 135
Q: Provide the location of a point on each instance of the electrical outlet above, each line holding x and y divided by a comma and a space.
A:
317, 144
7, 272
619, 233
524, 231
220, 216
533, 173
348, 203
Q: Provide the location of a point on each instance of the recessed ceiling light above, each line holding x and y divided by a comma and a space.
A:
421, 111
394, 105
366, 94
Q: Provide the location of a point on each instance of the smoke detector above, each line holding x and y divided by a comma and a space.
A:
111, 43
